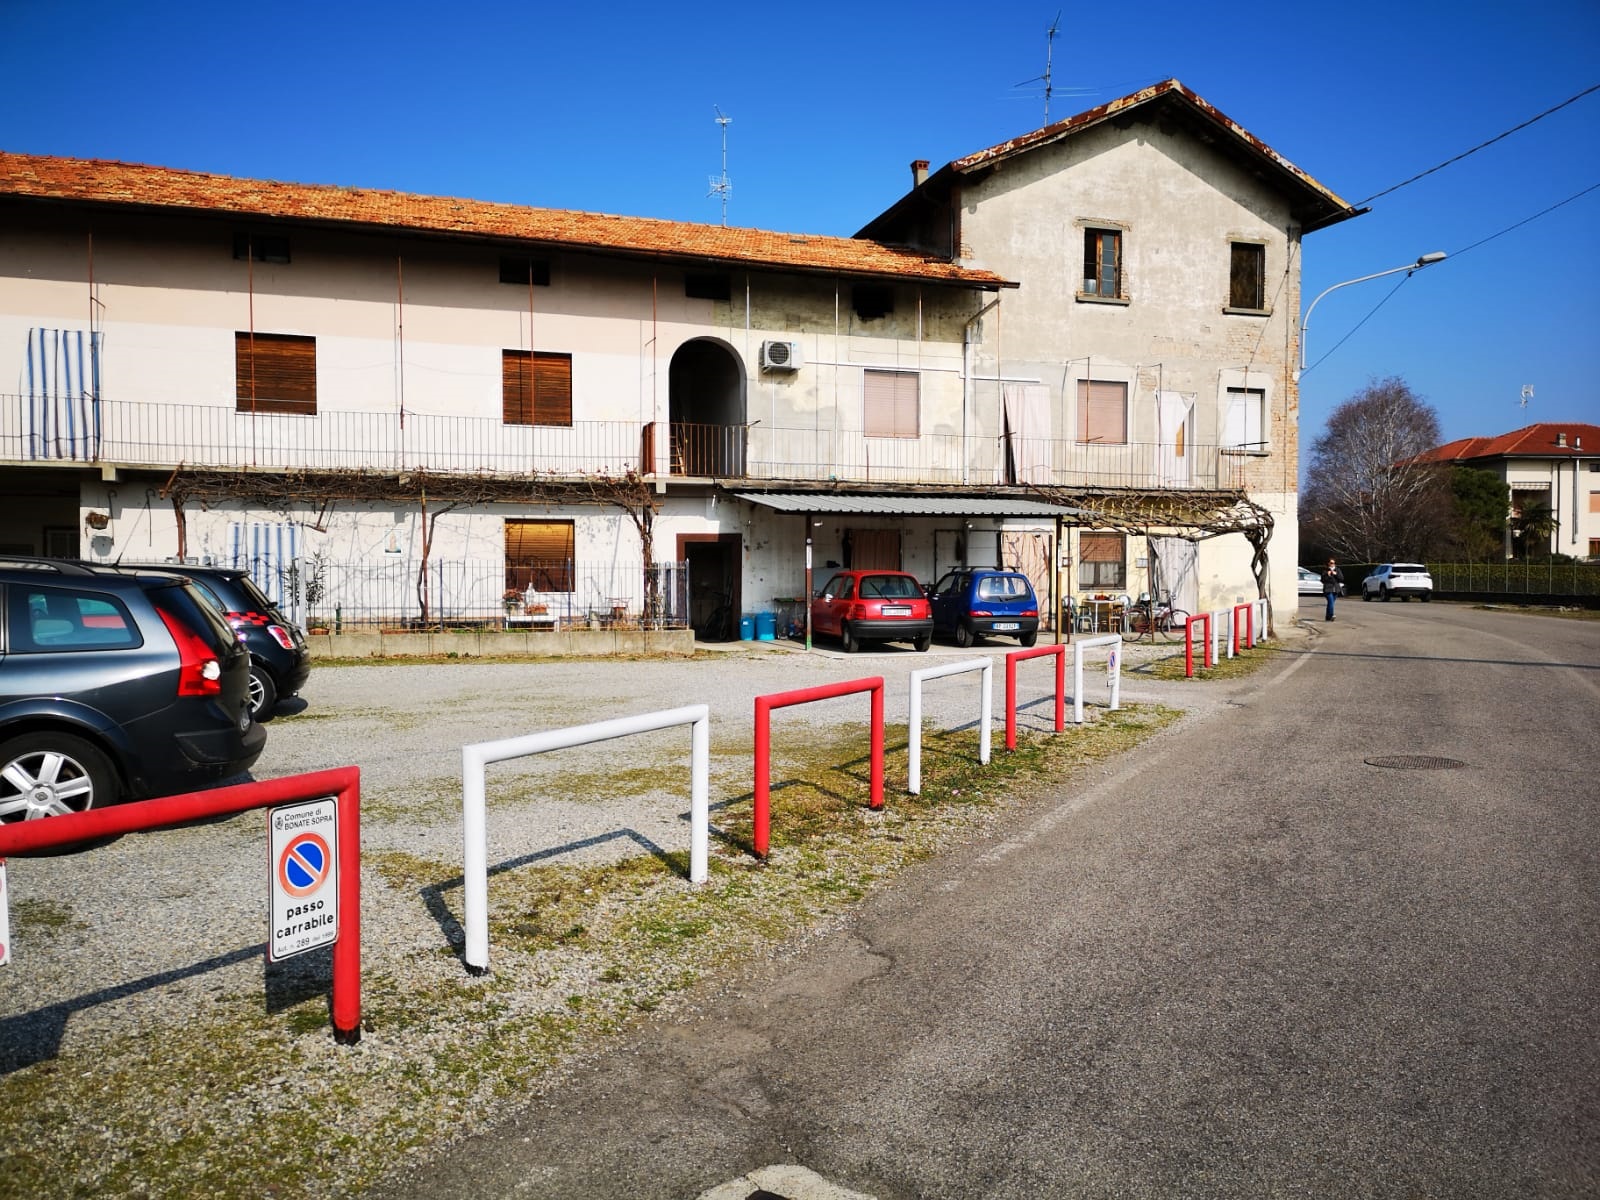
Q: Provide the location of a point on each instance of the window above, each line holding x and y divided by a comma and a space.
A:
1102, 412
47, 618
275, 373
871, 301
539, 556
1247, 273
525, 271
1102, 263
1594, 502
891, 403
1102, 561
536, 388
707, 286
1244, 422
263, 248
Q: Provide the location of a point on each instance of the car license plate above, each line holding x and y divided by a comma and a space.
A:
1003, 625
897, 610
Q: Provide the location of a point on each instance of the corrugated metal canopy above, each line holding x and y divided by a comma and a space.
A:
909, 506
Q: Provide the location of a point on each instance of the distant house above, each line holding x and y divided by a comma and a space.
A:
1071, 352
1555, 463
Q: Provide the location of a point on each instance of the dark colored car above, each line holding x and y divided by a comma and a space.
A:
113, 686
873, 606
974, 602
280, 659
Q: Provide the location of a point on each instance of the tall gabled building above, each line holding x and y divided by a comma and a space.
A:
1070, 352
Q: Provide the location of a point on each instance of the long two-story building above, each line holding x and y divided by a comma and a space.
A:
1071, 353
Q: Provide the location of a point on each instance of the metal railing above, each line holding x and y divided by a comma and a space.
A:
1518, 578
159, 434
394, 593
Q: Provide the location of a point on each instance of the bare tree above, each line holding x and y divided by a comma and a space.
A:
1366, 496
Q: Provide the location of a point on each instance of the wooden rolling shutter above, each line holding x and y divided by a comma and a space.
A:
539, 554
890, 404
536, 388
275, 373
1099, 547
1102, 412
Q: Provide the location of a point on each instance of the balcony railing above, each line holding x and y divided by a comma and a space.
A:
209, 436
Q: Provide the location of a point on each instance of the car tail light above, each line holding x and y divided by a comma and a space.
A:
979, 612
199, 672
281, 636
1029, 612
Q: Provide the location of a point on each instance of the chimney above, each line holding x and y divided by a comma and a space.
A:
919, 172
1577, 441
1561, 440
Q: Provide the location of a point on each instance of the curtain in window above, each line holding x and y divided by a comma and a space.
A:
1174, 459
61, 395
1027, 417
270, 552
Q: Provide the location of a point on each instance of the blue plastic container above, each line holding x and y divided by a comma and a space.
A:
766, 627
747, 628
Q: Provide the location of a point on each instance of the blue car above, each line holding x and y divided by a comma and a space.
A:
973, 602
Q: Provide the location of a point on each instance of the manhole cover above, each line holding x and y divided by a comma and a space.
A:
1414, 762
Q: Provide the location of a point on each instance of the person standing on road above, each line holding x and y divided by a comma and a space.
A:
1332, 585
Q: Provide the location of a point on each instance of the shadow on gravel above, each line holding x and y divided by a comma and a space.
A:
450, 926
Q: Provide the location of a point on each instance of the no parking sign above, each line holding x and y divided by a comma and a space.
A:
303, 865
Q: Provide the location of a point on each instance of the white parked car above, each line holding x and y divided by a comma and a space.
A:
1398, 579
1310, 582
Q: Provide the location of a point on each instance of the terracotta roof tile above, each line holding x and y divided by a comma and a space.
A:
97, 181
1542, 440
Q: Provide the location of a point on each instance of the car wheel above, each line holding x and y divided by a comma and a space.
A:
1027, 639
263, 694
50, 774
964, 635
1383, 593
848, 639
922, 642
1426, 596
1366, 595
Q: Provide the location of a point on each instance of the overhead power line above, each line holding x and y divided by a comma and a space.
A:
1480, 146
1525, 220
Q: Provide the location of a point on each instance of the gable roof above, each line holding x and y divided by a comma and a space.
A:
1313, 206
1547, 439
134, 186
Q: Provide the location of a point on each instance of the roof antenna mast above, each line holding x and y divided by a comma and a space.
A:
1049, 54
719, 184
1527, 394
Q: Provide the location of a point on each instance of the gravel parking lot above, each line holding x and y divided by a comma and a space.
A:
138, 938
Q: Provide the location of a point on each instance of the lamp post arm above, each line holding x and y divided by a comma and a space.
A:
1427, 260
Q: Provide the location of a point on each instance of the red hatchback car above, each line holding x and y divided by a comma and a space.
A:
873, 606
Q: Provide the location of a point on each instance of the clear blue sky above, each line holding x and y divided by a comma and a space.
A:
610, 107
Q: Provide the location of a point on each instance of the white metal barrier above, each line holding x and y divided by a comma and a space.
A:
474, 758
985, 708
1222, 634
1260, 617
1113, 671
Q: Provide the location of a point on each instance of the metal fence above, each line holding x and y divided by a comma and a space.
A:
397, 593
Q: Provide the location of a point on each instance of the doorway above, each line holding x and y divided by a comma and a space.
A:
714, 595
706, 410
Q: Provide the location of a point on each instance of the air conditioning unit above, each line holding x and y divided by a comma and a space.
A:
780, 356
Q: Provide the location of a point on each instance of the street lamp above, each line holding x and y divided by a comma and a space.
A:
1427, 260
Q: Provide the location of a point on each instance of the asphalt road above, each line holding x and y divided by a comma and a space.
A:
1337, 938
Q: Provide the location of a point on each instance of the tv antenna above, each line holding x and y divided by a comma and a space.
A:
1527, 394
1049, 55
719, 183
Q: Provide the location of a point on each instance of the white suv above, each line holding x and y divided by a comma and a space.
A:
1398, 579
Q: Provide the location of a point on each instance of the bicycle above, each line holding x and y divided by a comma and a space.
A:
1150, 619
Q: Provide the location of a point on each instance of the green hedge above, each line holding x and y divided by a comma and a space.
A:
1515, 578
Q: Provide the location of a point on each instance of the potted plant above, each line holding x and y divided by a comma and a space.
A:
512, 599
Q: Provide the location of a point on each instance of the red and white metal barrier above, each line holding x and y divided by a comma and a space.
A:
985, 708
1059, 653
1203, 619
1113, 671
474, 818
763, 747
342, 783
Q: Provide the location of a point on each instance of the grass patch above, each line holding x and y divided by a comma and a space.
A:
44, 918
1242, 664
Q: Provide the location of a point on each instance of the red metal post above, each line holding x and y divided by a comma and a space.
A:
343, 782
1188, 643
1012, 659
762, 815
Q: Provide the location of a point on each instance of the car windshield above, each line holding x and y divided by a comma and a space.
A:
895, 587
